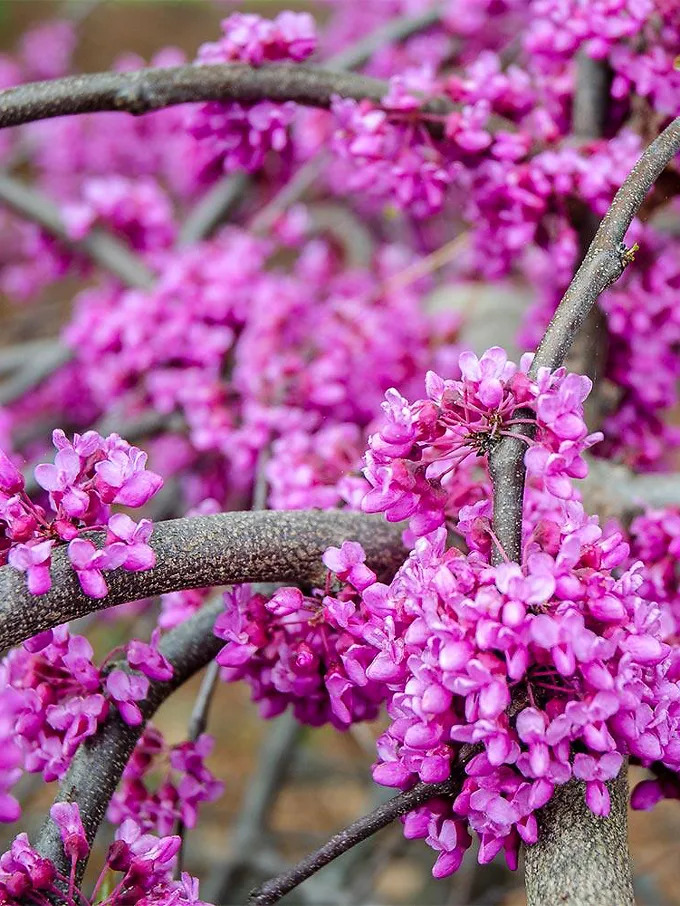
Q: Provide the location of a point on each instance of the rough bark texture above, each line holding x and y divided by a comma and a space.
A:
201, 551
145, 90
99, 763
584, 861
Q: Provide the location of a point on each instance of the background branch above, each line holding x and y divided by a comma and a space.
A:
200, 551
102, 248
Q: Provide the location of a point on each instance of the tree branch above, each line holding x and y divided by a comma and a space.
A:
144, 90
272, 891
99, 762
102, 248
391, 33
588, 878
200, 551
604, 263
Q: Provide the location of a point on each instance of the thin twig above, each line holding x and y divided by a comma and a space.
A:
272, 891
203, 551
44, 361
212, 208
302, 180
391, 33
102, 248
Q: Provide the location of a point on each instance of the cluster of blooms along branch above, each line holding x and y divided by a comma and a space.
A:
519, 652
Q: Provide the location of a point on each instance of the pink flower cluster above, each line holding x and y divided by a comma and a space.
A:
235, 136
248, 354
304, 651
145, 862
138, 210
420, 445
557, 668
186, 783
89, 474
53, 697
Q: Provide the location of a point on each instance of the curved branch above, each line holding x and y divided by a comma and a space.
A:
102, 248
144, 90
99, 762
605, 260
603, 264
200, 551
271, 891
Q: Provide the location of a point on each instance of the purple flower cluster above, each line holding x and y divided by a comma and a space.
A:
249, 354
186, 783
138, 210
304, 651
53, 697
420, 445
89, 474
557, 669
145, 863
235, 136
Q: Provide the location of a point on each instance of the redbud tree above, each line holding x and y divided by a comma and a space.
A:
480, 546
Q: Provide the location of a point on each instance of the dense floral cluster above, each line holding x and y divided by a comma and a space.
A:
256, 361
53, 697
236, 136
89, 474
145, 863
420, 445
186, 783
557, 670
295, 345
302, 650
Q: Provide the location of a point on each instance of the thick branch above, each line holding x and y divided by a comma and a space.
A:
100, 247
272, 891
145, 90
580, 859
98, 764
201, 551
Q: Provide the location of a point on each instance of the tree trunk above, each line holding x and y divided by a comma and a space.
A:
580, 859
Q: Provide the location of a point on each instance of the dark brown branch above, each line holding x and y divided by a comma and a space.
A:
145, 90
102, 248
606, 258
272, 891
98, 764
201, 551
